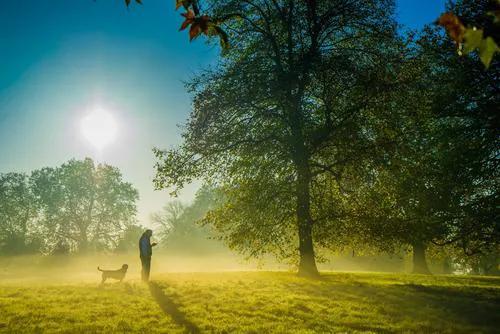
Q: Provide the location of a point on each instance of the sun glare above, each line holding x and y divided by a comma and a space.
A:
99, 128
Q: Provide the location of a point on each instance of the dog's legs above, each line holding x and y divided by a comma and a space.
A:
103, 279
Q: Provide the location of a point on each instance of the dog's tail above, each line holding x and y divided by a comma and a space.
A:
99, 269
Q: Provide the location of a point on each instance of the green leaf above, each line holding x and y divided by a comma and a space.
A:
472, 39
487, 50
224, 38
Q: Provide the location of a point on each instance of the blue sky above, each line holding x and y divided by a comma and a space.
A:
60, 58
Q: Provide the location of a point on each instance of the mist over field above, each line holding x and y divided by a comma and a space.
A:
219, 294
83, 268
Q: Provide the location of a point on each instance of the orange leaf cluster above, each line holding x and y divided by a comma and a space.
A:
453, 26
198, 24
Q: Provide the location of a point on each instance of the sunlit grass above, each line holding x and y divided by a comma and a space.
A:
256, 302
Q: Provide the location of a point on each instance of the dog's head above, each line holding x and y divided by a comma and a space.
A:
125, 267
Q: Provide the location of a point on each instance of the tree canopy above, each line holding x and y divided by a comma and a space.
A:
17, 214
76, 207
284, 108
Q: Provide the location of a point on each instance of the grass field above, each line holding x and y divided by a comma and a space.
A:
256, 302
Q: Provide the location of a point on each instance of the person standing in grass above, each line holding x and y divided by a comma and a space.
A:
146, 250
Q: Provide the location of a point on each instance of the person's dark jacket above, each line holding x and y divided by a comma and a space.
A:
145, 246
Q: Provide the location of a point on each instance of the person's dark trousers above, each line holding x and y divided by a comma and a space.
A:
146, 267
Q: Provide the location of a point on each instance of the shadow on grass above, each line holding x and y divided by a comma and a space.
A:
478, 307
168, 305
428, 308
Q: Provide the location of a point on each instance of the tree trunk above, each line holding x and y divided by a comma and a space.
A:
447, 266
300, 156
419, 261
83, 242
83, 246
307, 264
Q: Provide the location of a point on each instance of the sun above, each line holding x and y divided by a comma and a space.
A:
99, 128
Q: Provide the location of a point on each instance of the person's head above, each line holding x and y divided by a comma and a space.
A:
149, 233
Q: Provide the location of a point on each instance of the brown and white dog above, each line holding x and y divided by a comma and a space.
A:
114, 274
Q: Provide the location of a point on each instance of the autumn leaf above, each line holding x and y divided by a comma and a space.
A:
189, 19
453, 26
471, 38
194, 31
204, 23
201, 24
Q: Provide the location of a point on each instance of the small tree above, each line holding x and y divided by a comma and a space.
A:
169, 220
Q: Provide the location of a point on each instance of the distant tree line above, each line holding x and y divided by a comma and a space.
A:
325, 127
79, 207
179, 229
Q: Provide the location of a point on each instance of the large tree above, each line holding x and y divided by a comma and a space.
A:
267, 124
467, 106
83, 205
463, 148
442, 184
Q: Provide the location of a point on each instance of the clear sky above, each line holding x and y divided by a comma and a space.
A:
60, 59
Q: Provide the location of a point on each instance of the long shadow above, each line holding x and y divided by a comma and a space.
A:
477, 309
446, 305
171, 308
